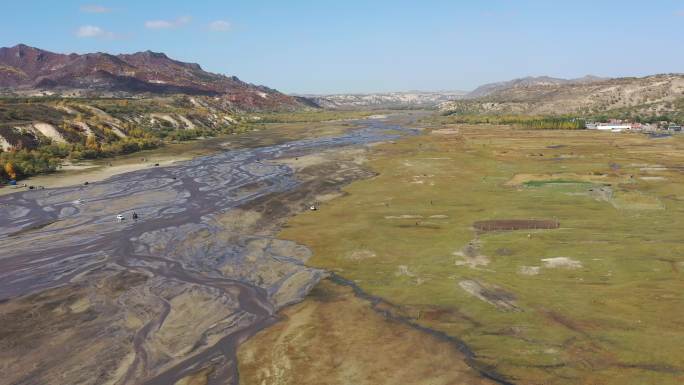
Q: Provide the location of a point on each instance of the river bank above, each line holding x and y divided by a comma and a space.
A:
202, 251
71, 174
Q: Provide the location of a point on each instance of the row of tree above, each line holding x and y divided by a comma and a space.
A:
521, 121
21, 163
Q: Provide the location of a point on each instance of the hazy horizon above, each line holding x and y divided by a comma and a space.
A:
324, 47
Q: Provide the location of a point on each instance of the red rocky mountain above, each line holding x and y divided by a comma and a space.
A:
27, 68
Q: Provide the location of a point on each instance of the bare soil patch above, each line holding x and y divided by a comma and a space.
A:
561, 262
490, 293
336, 338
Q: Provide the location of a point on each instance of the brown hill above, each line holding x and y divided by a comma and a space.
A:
648, 96
493, 88
25, 69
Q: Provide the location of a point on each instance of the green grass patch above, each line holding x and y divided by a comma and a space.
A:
609, 317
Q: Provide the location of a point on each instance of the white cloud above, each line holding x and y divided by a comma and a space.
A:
158, 24
95, 8
219, 25
88, 31
167, 24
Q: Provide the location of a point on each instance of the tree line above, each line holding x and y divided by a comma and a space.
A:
521, 121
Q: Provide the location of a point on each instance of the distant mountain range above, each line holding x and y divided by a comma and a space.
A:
27, 70
431, 99
408, 99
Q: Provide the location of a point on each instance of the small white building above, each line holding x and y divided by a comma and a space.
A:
610, 127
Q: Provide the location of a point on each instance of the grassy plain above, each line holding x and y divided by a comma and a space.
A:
597, 301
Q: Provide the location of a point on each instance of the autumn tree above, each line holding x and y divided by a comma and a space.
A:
91, 142
9, 170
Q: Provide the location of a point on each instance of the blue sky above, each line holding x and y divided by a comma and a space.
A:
364, 46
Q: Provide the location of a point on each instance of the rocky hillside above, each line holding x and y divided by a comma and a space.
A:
26, 70
32, 122
414, 99
648, 96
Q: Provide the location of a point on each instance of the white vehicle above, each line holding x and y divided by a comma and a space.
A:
120, 218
